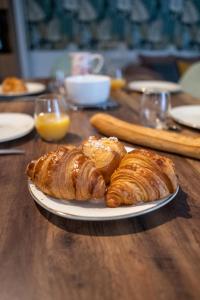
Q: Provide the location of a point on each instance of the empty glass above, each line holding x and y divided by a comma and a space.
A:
51, 118
154, 108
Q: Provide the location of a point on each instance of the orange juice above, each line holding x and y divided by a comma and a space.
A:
117, 83
52, 127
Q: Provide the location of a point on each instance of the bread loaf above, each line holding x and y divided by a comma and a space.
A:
153, 138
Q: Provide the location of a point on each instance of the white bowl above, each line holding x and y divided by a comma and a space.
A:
88, 89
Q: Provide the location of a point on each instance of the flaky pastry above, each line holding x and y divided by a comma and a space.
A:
106, 153
67, 174
142, 176
13, 85
101, 168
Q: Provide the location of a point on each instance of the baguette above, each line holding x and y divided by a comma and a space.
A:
152, 138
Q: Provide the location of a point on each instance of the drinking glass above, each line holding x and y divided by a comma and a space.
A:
51, 118
154, 108
117, 79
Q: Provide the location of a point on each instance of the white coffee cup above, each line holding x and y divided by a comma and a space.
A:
88, 89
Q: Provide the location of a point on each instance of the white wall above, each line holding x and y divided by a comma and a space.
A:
42, 62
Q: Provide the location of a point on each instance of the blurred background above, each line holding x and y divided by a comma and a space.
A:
36, 36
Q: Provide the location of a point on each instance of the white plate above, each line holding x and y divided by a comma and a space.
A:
14, 125
33, 88
141, 86
188, 115
93, 210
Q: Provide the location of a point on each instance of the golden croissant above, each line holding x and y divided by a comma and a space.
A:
67, 174
13, 85
142, 176
106, 153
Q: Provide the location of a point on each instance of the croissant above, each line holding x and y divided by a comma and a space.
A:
67, 174
142, 176
13, 85
106, 153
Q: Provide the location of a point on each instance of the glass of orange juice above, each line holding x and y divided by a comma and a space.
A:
117, 80
51, 118
117, 83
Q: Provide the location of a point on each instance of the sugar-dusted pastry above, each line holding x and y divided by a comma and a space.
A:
13, 85
106, 153
142, 176
67, 174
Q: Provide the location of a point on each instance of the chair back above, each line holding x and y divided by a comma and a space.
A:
190, 80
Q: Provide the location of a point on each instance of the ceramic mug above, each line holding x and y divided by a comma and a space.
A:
88, 89
85, 63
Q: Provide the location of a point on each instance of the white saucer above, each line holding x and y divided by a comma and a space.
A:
188, 115
33, 89
93, 210
141, 86
14, 126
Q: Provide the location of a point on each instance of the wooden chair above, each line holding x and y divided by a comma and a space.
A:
136, 72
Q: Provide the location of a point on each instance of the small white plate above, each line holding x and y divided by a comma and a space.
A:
33, 88
141, 86
93, 210
14, 126
188, 115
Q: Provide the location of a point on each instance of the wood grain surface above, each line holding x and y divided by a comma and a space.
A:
42, 256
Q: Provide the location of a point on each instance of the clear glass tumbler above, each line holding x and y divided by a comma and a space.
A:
154, 108
51, 117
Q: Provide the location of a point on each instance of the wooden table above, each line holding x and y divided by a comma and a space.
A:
42, 256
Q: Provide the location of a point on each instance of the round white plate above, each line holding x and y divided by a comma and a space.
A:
14, 126
141, 86
33, 88
188, 115
93, 210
